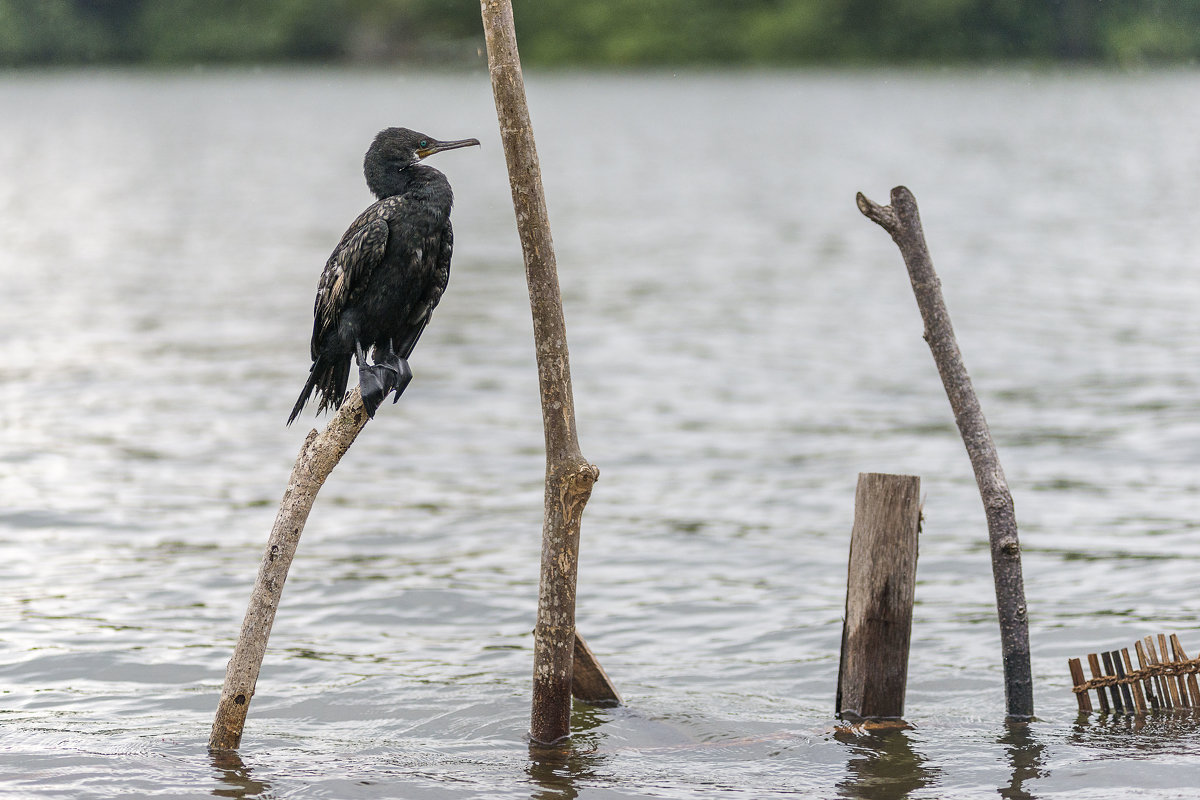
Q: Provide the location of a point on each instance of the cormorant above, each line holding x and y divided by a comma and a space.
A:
383, 280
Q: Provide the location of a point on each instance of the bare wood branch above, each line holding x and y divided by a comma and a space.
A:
319, 455
569, 476
903, 222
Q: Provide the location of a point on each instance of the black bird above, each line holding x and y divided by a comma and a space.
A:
385, 277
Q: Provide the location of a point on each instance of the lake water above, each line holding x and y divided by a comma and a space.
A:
743, 344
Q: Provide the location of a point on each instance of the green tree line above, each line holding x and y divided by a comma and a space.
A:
622, 33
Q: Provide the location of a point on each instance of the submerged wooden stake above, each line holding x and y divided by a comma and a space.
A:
319, 455
569, 476
589, 682
879, 596
902, 221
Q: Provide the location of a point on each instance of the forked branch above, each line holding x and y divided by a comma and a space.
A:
902, 221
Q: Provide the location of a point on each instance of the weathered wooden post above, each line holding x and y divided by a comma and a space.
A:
902, 221
880, 588
569, 476
319, 455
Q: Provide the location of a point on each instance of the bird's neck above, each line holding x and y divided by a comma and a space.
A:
415, 178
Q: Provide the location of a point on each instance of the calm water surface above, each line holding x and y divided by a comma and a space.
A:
743, 344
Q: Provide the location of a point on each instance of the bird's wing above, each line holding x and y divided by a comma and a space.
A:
350, 265
442, 272
422, 311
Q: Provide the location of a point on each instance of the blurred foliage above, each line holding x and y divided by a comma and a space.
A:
602, 32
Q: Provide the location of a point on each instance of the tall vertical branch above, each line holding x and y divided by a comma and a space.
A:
569, 476
318, 456
902, 221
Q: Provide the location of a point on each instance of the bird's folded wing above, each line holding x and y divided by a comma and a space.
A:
348, 269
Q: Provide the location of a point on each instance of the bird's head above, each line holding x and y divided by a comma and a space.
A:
395, 150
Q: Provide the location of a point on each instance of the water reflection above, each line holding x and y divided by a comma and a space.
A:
236, 777
883, 765
557, 771
1026, 756
1161, 730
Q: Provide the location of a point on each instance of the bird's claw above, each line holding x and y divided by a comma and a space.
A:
403, 375
378, 379
374, 383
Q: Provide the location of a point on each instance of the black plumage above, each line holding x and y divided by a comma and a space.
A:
383, 280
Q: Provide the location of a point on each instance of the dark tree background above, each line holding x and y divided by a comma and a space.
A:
620, 33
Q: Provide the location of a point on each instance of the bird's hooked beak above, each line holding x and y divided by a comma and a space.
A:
435, 146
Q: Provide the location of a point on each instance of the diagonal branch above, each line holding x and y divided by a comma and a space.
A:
902, 221
318, 456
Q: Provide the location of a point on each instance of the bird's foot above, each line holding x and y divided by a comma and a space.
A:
374, 383
376, 380
403, 373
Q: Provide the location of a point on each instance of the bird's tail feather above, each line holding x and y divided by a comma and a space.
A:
329, 377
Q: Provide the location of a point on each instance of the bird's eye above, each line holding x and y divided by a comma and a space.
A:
423, 143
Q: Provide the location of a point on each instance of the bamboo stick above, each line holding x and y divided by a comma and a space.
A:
1177, 679
1138, 698
569, 476
1126, 692
1094, 666
1193, 688
1113, 689
1077, 680
902, 221
319, 455
1166, 689
1149, 681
